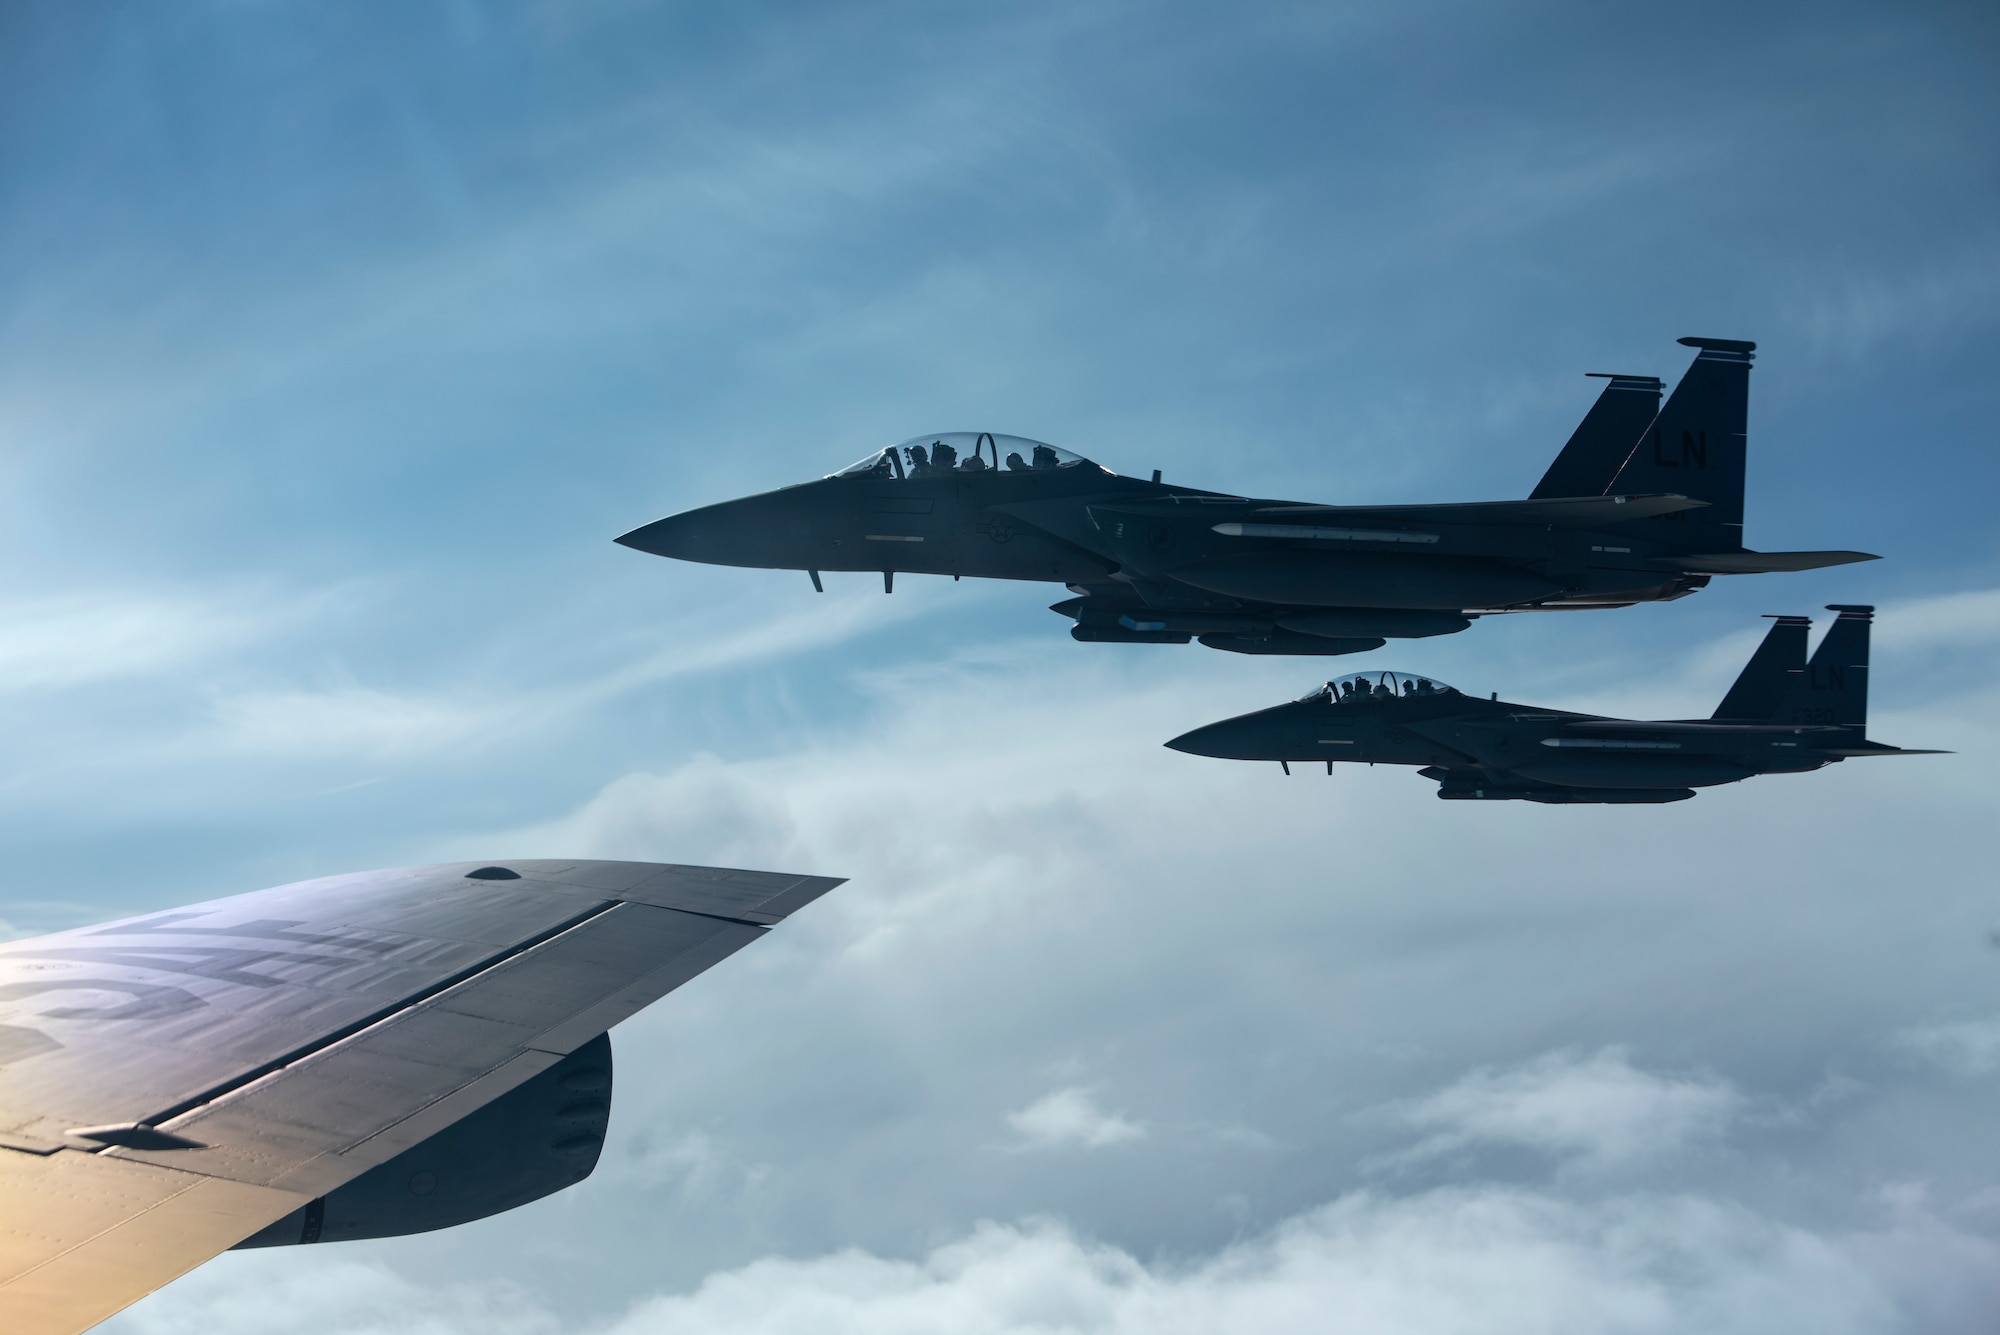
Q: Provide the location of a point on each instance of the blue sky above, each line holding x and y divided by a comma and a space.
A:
336, 344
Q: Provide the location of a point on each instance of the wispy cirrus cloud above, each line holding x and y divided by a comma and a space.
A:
53, 642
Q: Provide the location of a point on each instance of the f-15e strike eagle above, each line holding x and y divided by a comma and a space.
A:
363, 1056
1784, 715
1643, 504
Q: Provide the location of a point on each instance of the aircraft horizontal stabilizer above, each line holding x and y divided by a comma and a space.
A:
1761, 563
1549, 512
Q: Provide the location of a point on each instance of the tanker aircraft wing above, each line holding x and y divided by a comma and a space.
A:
179, 1082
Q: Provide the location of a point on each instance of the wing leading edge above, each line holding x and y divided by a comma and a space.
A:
176, 1082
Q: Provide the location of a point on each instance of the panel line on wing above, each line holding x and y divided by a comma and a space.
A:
369, 1021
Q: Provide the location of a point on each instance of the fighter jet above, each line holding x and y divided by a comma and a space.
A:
362, 1056
1784, 715
1643, 504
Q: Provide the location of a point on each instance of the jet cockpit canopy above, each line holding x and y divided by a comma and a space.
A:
963, 452
1377, 686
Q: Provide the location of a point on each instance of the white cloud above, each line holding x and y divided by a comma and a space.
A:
333, 1295
1459, 1261
1071, 1117
704, 812
1034, 880
1600, 1110
1967, 1047
693, 1163
1447, 1263
947, 814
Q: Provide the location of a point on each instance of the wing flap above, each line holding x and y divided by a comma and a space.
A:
303, 1126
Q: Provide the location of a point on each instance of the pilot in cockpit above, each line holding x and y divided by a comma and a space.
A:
944, 458
1046, 457
1015, 463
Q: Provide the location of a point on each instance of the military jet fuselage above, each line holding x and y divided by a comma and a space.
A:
1785, 715
1642, 505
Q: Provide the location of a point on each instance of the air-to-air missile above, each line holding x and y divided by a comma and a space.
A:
1784, 715
1643, 504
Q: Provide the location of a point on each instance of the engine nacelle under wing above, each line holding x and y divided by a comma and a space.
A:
531, 1142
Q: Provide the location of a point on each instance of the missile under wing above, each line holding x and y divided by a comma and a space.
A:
361, 1056
1643, 504
1786, 714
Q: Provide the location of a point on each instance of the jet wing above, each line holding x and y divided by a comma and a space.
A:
1552, 512
173, 1083
1704, 725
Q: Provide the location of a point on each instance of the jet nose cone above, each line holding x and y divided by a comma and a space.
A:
1279, 733
764, 531
673, 536
1224, 741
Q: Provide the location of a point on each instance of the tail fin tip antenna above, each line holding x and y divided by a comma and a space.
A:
1719, 344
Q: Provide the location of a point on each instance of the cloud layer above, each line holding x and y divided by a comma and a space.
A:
1461, 1260
337, 345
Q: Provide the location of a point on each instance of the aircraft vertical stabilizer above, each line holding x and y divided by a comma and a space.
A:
1696, 448
1834, 689
1772, 675
1603, 440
